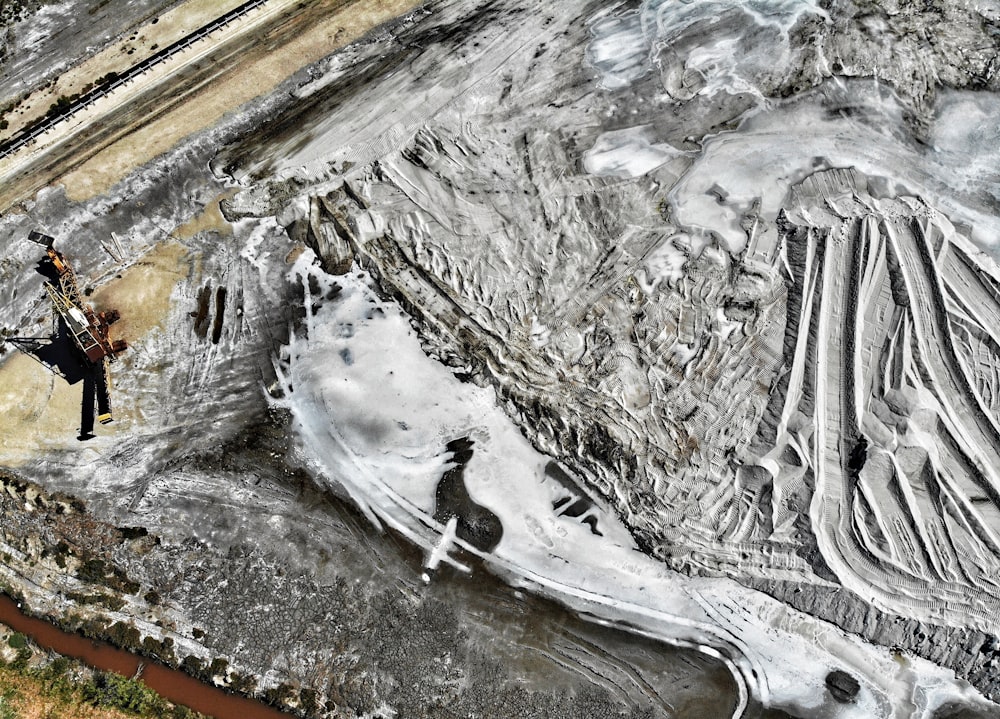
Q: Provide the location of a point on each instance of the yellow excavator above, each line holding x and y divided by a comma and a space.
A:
89, 330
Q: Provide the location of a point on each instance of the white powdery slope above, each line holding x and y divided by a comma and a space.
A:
773, 151
626, 44
703, 49
374, 415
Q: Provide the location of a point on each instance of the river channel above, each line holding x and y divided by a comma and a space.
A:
172, 684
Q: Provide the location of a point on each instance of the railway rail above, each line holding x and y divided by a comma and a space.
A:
32, 132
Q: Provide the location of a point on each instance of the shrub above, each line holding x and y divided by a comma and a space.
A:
116, 692
124, 635
161, 649
277, 696
193, 665
219, 667
21, 660
308, 702
58, 667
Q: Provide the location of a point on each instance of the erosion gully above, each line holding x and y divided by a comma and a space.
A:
172, 684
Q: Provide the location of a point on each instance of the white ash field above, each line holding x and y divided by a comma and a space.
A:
527, 359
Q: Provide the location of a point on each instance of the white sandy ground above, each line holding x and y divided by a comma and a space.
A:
350, 417
375, 414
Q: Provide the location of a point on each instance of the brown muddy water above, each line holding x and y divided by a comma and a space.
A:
172, 684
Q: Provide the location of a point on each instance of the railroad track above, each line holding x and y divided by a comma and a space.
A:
30, 133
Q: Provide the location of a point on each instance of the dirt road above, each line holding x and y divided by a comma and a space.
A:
186, 94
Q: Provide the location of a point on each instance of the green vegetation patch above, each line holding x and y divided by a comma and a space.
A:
70, 684
97, 571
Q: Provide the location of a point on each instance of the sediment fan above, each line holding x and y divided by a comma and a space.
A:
889, 406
